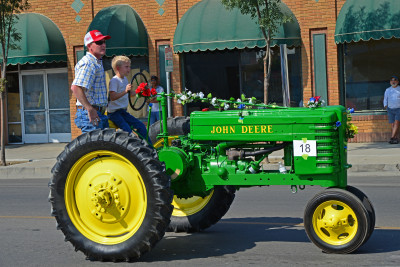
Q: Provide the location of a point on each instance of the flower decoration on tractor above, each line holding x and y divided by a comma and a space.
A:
144, 91
315, 102
351, 129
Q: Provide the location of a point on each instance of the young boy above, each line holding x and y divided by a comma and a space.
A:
119, 89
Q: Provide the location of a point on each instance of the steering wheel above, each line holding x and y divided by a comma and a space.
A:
139, 101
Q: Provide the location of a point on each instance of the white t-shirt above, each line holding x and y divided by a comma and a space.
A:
118, 85
155, 107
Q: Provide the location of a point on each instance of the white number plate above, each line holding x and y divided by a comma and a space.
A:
305, 147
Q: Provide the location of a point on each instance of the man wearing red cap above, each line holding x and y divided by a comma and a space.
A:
89, 85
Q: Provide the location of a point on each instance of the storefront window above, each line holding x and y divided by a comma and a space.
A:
252, 70
368, 67
228, 74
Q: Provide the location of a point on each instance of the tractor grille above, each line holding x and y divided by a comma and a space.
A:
327, 146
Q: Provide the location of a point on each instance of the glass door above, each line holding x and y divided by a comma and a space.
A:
45, 98
34, 106
58, 111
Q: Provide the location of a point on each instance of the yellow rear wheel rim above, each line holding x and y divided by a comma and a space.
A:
105, 197
185, 206
188, 206
335, 222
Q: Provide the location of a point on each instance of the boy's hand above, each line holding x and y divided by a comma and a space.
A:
128, 88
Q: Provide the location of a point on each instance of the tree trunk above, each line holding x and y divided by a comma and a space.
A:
3, 113
2, 135
265, 78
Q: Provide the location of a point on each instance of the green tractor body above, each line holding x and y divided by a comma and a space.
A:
114, 196
229, 148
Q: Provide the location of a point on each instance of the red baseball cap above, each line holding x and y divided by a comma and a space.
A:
94, 36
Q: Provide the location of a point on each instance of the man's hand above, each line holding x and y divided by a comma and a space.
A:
93, 116
92, 112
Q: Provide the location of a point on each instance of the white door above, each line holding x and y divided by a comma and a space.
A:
45, 109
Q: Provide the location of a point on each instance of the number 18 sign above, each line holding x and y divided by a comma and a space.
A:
305, 147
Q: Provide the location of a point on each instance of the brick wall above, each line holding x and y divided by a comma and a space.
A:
312, 16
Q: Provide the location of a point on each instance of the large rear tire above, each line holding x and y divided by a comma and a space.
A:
110, 196
336, 221
196, 213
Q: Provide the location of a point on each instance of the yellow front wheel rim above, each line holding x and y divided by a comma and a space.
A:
105, 197
188, 206
335, 222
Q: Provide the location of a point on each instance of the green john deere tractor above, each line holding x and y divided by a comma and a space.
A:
114, 196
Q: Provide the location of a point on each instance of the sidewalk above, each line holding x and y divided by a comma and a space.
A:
378, 158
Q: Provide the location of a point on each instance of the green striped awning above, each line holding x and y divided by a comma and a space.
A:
208, 25
368, 19
41, 41
127, 31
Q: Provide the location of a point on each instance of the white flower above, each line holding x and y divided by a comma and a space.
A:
213, 101
201, 95
226, 107
189, 93
183, 98
239, 100
194, 95
250, 101
179, 101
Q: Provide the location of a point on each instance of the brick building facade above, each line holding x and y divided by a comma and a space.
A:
160, 18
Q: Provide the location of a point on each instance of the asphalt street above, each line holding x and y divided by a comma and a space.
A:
262, 228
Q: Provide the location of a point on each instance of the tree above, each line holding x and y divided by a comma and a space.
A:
8, 40
269, 16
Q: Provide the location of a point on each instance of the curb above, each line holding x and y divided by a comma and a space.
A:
44, 172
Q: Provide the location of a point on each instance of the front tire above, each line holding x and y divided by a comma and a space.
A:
336, 221
110, 196
369, 207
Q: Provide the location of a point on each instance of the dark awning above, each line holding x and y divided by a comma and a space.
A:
368, 19
127, 31
208, 25
41, 41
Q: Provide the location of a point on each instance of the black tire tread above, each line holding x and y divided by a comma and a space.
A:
215, 209
176, 126
157, 217
336, 193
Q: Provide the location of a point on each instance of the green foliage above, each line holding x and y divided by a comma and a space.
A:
266, 12
8, 18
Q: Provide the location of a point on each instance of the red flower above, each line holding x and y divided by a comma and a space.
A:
153, 91
205, 109
146, 92
138, 90
317, 98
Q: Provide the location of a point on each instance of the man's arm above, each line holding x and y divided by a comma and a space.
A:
80, 95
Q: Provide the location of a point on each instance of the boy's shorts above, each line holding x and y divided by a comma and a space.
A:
393, 114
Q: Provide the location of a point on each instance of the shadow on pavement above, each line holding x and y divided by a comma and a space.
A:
231, 236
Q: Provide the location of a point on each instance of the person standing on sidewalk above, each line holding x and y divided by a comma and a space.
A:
155, 114
391, 102
89, 85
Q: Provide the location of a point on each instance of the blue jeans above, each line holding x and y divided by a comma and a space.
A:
83, 123
154, 117
125, 121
